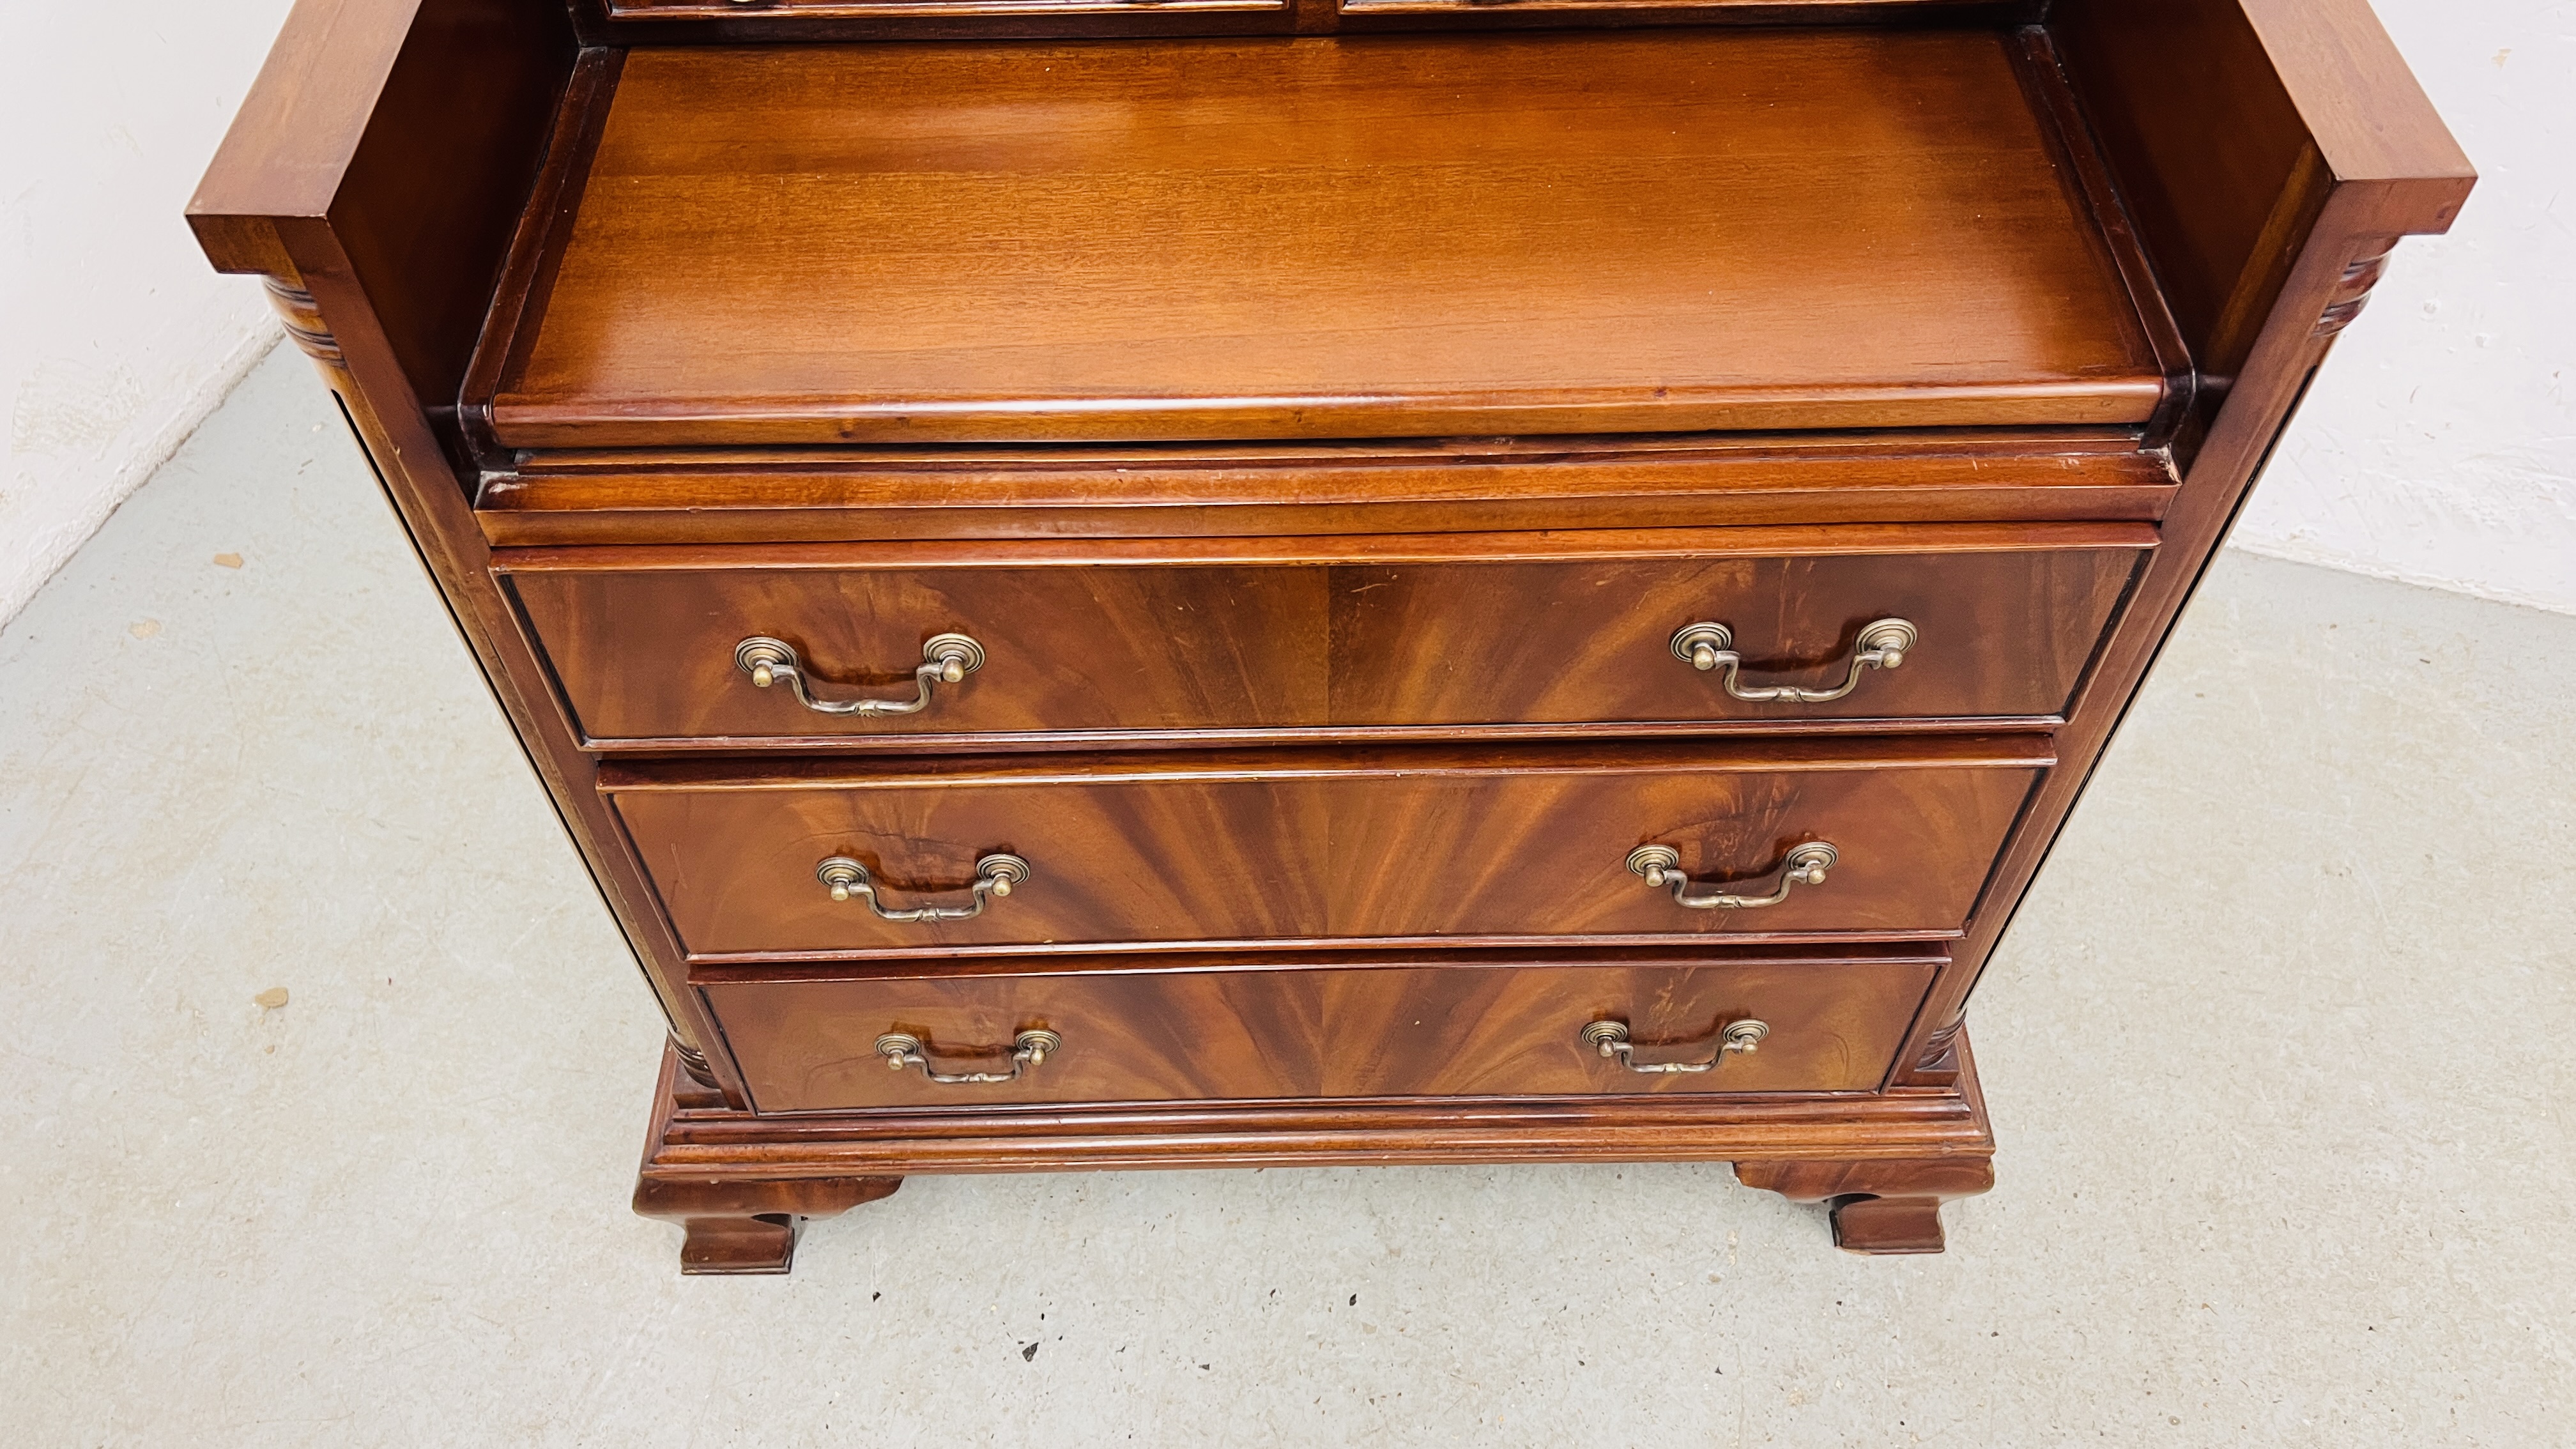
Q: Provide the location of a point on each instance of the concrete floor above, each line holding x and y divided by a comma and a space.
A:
2278, 1055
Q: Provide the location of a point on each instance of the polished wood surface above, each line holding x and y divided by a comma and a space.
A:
1348, 1030
1076, 644
764, 22
769, 21
2218, 166
1363, 15
1399, 235
631, 496
1305, 845
2039, 268
2004, 633
457, 91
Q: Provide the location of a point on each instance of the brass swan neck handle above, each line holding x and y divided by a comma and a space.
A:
1610, 1038
1028, 1051
1707, 646
1661, 866
945, 659
995, 875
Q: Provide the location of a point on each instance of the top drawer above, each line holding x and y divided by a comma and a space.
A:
1530, 633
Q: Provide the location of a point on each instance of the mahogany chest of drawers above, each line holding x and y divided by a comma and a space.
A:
1131, 583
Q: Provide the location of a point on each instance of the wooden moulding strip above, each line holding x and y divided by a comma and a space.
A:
1677, 1128
1535, 546
661, 499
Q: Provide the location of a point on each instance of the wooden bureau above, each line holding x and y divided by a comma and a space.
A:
1130, 583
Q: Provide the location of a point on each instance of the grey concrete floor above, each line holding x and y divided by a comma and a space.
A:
2278, 1055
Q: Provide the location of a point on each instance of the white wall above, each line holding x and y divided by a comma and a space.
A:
2437, 446
115, 337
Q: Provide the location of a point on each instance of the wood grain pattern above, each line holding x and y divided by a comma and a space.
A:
1078, 645
1506, 642
2213, 156
1498, 842
334, 131
290, 145
762, 22
1562, 233
812, 22
1697, 12
2228, 123
1350, 1030
812, 10
1428, 485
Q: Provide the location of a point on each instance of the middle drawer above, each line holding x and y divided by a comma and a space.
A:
1672, 629
1801, 839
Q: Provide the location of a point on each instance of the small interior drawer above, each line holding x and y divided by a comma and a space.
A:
1372, 1027
740, 13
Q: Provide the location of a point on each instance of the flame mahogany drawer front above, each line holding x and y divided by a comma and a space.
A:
1192, 1033
1328, 633
1313, 845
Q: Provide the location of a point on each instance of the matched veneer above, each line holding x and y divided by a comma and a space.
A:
1497, 630
1485, 1027
1287, 846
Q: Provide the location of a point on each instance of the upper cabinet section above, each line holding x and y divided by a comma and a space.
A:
1323, 238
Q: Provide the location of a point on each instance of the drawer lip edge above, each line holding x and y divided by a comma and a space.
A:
1880, 950
1821, 754
725, 961
1032, 742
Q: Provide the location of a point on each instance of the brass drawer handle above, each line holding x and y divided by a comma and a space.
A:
1881, 645
945, 659
1029, 1049
994, 876
1611, 1039
1661, 865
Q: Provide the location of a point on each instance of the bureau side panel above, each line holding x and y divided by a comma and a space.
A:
374, 176
2357, 161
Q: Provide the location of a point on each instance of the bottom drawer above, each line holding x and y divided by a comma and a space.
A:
1185, 1029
